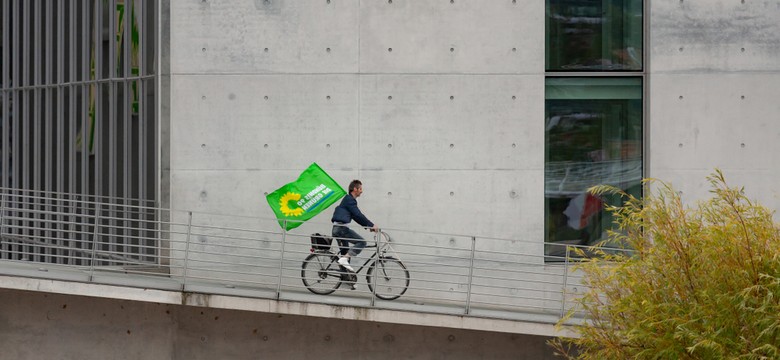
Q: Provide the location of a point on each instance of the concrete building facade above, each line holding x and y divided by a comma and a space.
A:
448, 111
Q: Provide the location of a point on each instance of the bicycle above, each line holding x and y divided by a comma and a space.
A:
322, 275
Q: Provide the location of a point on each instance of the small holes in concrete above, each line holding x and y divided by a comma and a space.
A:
265, 97
681, 49
265, 146
742, 145
390, 97
389, 146
742, 97
327, 146
680, 145
452, 146
203, 97
327, 97
680, 97
266, 49
514, 97
327, 50
742, 49
204, 49
452, 193
514, 49
452, 98
389, 49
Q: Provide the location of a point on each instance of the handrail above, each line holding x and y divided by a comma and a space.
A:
475, 276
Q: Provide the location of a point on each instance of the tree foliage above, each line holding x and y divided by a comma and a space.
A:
702, 282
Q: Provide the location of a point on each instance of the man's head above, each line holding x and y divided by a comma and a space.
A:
355, 188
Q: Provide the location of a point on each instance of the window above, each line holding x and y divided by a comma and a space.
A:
593, 116
593, 135
594, 35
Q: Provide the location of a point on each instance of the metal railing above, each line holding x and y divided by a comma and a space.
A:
136, 244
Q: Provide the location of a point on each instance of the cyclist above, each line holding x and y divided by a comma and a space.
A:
346, 212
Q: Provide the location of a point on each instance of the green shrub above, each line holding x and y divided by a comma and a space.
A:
703, 282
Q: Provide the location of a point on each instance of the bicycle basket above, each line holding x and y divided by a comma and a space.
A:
320, 242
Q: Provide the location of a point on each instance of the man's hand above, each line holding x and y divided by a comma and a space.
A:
374, 228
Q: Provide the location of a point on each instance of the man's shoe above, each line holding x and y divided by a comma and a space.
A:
344, 261
354, 286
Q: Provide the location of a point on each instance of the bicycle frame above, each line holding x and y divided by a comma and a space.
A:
374, 256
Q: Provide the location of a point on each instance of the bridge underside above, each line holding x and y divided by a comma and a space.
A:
332, 306
131, 323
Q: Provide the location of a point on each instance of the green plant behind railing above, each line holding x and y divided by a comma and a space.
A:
703, 282
134, 67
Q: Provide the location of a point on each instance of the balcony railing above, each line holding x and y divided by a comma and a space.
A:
133, 243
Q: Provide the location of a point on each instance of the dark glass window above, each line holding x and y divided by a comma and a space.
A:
594, 35
593, 136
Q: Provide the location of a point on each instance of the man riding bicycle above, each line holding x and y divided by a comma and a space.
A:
346, 212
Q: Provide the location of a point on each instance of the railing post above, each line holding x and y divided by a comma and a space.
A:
281, 261
565, 282
471, 274
377, 239
94, 242
2, 215
187, 250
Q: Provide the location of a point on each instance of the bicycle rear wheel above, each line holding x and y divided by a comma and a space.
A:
392, 278
320, 273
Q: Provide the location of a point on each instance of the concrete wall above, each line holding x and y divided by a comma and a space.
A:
437, 106
37, 325
714, 84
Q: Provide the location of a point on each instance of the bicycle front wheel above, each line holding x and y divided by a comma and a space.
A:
320, 274
392, 278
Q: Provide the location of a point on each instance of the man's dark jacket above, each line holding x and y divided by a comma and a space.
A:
348, 210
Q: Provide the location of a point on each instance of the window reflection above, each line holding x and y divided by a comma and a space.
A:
594, 35
593, 135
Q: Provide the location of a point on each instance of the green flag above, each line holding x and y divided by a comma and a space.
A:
304, 198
